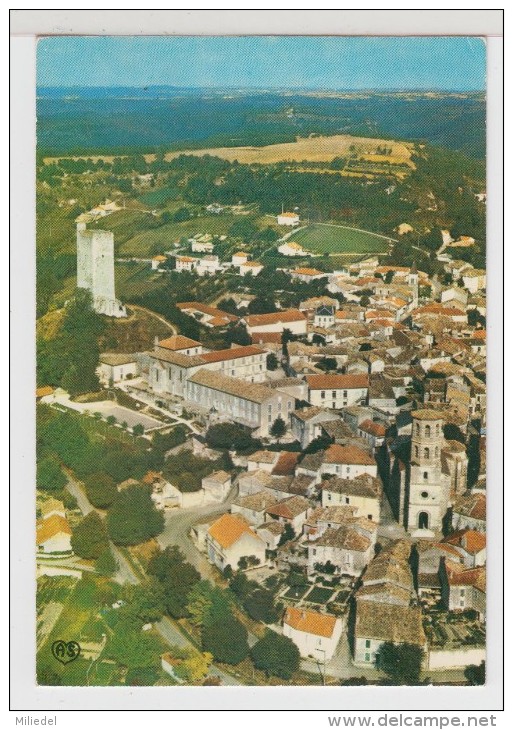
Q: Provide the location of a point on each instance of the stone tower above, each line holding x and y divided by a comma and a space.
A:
95, 269
429, 487
413, 283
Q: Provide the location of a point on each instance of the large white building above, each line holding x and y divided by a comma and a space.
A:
170, 369
315, 634
251, 404
95, 269
337, 391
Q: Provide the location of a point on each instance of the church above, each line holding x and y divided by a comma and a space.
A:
423, 485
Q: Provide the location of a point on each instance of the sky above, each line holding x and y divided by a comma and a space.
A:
347, 63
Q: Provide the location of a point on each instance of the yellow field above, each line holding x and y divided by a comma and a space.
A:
311, 149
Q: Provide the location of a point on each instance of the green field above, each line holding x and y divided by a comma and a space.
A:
322, 238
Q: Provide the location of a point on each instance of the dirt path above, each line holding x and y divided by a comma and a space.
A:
161, 319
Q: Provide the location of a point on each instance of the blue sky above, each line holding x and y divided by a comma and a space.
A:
264, 62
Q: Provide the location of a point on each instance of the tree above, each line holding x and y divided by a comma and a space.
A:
276, 655
452, 432
278, 429
231, 436
272, 361
49, 475
177, 578
138, 429
141, 677
182, 214
101, 489
402, 662
287, 534
226, 640
144, 602
259, 605
106, 564
131, 648
89, 538
475, 674
133, 517
262, 305
243, 228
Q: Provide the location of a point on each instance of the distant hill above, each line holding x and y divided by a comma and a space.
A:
100, 119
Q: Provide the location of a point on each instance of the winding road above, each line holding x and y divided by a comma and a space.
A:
166, 627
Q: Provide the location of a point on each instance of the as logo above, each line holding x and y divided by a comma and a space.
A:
65, 652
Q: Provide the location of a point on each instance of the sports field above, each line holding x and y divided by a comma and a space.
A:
323, 238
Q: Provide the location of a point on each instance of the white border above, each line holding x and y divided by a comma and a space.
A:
26, 696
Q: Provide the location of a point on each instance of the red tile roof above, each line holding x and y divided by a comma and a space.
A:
310, 622
178, 342
337, 454
287, 315
232, 353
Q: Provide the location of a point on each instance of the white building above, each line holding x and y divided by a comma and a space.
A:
208, 265
291, 248
250, 267
337, 391
362, 492
291, 319
186, 263
115, 367
239, 258
377, 623
288, 219
250, 404
231, 538
315, 634
53, 536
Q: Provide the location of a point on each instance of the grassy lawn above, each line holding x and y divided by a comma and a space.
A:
335, 239
79, 621
134, 279
53, 589
156, 240
319, 595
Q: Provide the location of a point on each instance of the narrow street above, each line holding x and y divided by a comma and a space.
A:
166, 627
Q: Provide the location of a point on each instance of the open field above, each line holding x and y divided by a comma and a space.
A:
310, 149
323, 238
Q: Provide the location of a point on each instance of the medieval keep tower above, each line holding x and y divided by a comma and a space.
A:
413, 283
95, 269
429, 487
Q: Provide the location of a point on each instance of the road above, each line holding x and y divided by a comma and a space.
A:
161, 319
178, 527
169, 631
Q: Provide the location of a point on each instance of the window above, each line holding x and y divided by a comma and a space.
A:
367, 657
426, 453
427, 432
417, 452
424, 495
345, 393
314, 551
437, 451
425, 475
367, 643
156, 376
333, 394
329, 496
347, 500
333, 404
323, 394
417, 429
